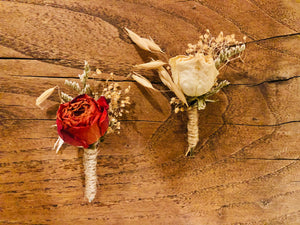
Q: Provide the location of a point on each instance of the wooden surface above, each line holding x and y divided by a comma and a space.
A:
246, 166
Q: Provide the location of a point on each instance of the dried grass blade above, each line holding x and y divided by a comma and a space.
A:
179, 93
152, 45
138, 40
46, 94
150, 65
167, 80
143, 81
143, 43
165, 77
58, 144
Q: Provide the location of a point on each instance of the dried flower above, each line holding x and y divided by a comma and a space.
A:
118, 102
65, 97
195, 75
73, 85
98, 71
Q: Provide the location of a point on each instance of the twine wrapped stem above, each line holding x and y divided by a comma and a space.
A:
90, 171
192, 128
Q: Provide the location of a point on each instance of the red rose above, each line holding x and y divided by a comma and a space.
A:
82, 121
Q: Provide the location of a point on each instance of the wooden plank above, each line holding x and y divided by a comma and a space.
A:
244, 169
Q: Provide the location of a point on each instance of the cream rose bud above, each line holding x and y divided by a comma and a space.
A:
195, 75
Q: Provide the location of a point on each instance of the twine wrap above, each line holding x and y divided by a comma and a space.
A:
90, 171
192, 128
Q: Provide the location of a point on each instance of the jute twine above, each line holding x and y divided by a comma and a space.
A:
192, 128
90, 171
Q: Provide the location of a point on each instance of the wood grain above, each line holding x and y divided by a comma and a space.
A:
245, 169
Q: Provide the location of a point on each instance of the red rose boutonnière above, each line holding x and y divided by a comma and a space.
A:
83, 121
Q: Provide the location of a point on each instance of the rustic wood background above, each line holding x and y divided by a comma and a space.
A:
246, 166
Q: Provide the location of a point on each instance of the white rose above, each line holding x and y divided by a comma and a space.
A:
195, 75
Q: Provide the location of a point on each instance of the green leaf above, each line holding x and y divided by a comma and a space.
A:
216, 89
201, 104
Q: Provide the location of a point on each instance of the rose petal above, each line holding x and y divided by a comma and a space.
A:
103, 103
70, 138
195, 75
82, 121
87, 135
103, 123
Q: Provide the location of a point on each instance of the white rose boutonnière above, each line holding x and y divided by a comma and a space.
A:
191, 77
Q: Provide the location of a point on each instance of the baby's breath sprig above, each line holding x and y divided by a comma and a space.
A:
118, 102
74, 85
178, 106
65, 97
221, 48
